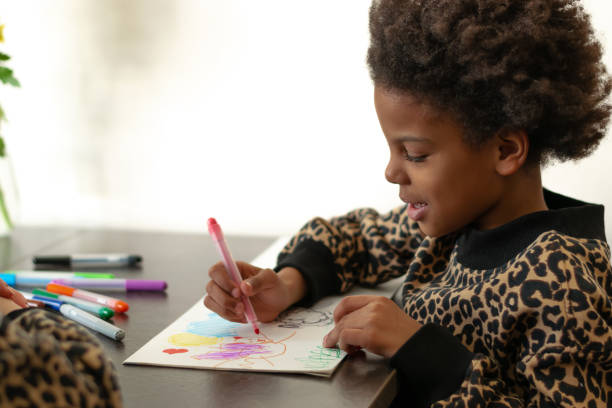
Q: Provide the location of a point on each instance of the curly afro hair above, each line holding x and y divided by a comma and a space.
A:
532, 65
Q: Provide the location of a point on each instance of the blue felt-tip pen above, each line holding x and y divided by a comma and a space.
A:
81, 316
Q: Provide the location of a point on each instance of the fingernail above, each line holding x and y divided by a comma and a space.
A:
236, 292
249, 285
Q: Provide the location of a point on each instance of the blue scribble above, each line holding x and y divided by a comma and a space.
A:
215, 326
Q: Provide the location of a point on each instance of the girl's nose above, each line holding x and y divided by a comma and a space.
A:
395, 173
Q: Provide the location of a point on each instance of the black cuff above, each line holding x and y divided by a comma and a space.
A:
431, 365
316, 264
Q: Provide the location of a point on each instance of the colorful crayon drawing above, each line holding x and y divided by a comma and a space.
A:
298, 317
205, 332
224, 343
247, 351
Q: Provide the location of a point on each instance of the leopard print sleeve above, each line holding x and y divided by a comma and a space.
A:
362, 247
49, 361
565, 357
574, 375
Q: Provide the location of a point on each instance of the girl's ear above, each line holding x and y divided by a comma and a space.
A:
512, 147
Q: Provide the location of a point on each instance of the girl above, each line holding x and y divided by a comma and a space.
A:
507, 291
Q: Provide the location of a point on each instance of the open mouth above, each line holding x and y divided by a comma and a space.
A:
417, 210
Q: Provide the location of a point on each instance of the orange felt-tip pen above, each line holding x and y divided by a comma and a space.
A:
119, 306
215, 232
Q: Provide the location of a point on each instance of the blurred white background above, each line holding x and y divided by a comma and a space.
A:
157, 114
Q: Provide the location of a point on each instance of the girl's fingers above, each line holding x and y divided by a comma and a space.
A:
222, 298
227, 314
348, 324
264, 279
350, 304
351, 340
347, 339
247, 270
219, 275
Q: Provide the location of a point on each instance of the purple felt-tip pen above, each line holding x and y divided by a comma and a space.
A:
116, 285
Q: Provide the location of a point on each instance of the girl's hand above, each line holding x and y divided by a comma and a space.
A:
270, 293
7, 292
374, 323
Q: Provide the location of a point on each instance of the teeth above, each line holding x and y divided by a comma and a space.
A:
418, 205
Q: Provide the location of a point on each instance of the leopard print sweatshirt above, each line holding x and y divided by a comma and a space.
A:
49, 361
517, 316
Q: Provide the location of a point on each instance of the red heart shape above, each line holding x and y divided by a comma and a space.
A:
174, 351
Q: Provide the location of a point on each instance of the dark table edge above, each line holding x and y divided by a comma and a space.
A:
387, 391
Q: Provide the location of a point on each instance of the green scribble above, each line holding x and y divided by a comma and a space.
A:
320, 358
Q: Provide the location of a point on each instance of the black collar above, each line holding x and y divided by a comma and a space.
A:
491, 248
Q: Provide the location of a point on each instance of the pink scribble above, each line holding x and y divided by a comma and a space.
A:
233, 351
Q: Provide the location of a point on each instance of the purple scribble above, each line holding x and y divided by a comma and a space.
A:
234, 351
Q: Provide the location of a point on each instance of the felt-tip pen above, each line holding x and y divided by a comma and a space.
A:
102, 312
30, 302
81, 316
216, 233
88, 260
41, 278
91, 321
119, 306
118, 285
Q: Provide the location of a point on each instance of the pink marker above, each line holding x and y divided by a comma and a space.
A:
117, 305
215, 232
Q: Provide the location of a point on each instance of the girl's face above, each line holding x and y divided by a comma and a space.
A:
446, 183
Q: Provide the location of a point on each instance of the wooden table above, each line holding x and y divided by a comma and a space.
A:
183, 261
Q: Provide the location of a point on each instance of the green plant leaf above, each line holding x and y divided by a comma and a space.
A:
2, 147
13, 81
4, 211
2, 115
4, 57
6, 76
5, 73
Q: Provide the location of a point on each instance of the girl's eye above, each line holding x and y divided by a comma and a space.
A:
415, 159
